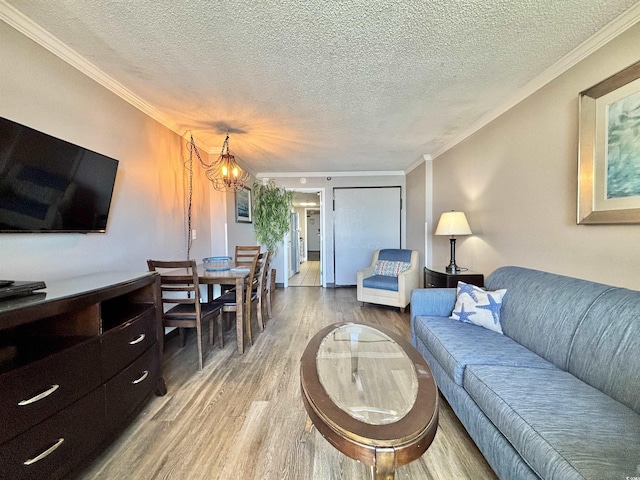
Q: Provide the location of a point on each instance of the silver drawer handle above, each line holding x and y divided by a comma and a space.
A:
138, 339
40, 396
144, 375
46, 453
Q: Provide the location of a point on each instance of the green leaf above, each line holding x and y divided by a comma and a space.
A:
271, 213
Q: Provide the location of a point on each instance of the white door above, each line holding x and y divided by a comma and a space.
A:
366, 219
313, 231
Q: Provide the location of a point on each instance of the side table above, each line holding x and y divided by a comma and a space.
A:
440, 278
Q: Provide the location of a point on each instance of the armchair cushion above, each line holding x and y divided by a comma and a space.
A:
382, 282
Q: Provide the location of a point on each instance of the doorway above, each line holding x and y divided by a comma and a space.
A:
306, 240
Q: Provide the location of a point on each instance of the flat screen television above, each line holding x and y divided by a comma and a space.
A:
49, 185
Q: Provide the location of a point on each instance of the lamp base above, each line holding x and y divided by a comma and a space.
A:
453, 268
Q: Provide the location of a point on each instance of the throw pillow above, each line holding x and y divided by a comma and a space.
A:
389, 268
478, 306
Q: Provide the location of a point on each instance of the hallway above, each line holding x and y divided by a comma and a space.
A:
308, 276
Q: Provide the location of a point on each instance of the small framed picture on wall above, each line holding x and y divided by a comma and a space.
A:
243, 205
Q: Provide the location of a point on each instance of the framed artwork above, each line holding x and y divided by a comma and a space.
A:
243, 205
609, 150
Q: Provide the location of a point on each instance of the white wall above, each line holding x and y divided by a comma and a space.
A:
238, 233
148, 210
516, 179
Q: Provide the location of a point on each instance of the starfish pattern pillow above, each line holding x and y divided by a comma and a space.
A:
478, 306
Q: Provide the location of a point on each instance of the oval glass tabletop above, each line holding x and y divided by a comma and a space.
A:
367, 374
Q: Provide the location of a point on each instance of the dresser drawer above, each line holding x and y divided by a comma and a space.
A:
122, 345
35, 392
433, 280
54, 447
126, 391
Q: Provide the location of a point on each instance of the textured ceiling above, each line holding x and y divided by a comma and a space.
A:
320, 85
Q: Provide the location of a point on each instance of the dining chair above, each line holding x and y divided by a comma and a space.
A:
229, 305
180, 291
245, 254
244, 257
272, 285
264, 301
259, 286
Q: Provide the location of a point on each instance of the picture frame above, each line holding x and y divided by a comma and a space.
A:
244, 205
609, 150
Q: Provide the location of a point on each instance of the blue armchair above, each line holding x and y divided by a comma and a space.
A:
390, 279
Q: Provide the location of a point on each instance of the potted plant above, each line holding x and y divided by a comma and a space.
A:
271, 213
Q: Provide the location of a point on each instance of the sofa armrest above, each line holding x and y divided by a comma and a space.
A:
437, 302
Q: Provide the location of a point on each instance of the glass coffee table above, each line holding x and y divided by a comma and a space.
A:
370, 394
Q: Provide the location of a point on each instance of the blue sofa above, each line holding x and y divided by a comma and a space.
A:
558, 395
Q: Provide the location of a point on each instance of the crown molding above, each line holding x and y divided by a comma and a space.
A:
610, 31
261, 175
425, 158
35, 32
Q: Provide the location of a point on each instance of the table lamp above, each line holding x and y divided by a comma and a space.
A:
452, 224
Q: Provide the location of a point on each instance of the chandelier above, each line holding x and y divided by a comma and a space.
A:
225, 174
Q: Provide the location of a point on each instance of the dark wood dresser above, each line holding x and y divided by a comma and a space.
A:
440, 278
78, 361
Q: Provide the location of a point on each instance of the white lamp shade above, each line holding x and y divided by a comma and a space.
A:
453, 223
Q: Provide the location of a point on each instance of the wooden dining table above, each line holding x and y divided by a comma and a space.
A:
228, 277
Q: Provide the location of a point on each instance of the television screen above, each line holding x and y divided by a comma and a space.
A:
49, 185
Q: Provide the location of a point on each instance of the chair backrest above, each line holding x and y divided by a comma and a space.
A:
245, 254
180, 286
395, 254
255, 275
265, 272
261, 267
230, 304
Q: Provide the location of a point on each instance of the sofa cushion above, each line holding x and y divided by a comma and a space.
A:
390, 268
539, 303
564, 428
478, 306
456, 345
500, 454
381, 282
605, 351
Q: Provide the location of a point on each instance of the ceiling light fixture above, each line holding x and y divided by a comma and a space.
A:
225, 174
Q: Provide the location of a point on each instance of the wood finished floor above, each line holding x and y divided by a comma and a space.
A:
308, 276
242, 417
